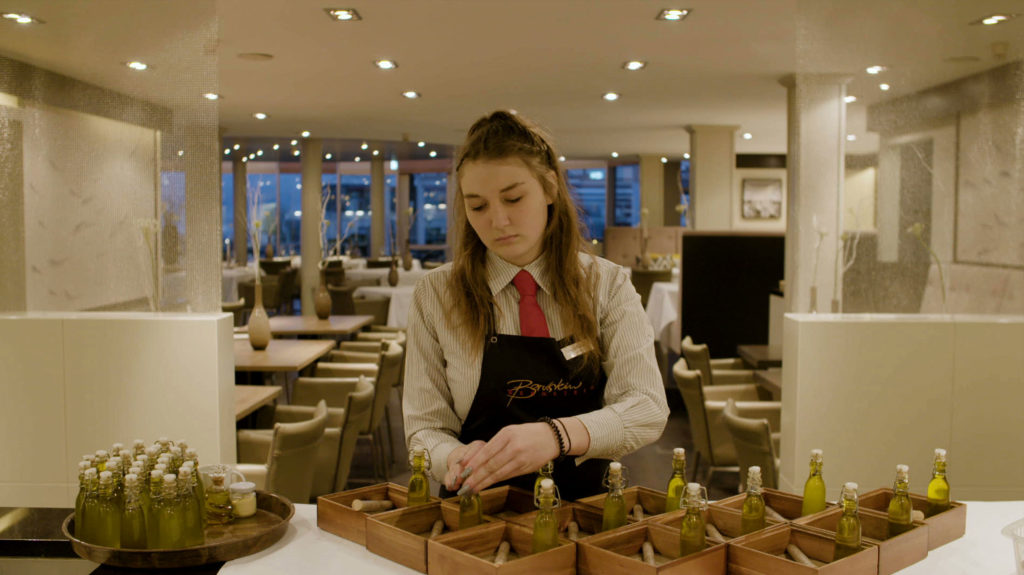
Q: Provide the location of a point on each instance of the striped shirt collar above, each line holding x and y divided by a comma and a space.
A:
501, 272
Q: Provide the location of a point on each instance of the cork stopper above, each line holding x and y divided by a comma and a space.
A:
678, 453
940, 454
106, 477
170, 478
615, 468
156, 474
131, 480
693, 489
547, 486
816, 455
91, 472
185, 472
82, 466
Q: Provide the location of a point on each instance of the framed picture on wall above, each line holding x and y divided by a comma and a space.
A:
762, 199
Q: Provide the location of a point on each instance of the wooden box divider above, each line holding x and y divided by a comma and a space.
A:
652, 501
894, 553
502, 502
763, 551
619, 552
586, 517
472, 550
401, 535
728, 521
334, 512
788, 505
942, 528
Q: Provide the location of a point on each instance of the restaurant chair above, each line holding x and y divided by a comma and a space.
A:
755, 444
271, 293
372, 263
288, 287
644, 279
370, 346
342, 302
395, 336
714, 371
374, 305
290, 461
704, 404
235, 308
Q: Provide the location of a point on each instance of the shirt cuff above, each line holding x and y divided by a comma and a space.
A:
607, 434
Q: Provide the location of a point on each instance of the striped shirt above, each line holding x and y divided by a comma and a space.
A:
442, 369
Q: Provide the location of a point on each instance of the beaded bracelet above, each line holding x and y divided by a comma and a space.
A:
562, 449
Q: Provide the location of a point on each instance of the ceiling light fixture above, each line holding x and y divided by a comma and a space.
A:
260, 116
277, 146
991, 20
227, 151
615, 154
305, 133
181, 153
376, 152
634, 65
664, 160
385, 64
433, 154
22, 18
295, 152
235, 147
561, 158
343, 14
411, 94
686, 155
364, 146
610, 96
358, 159
137, 66
295, 142
874, 70
259, 152
748, 136
211, 96
884, 87
851, 137
420, 144
673, 14
244, 159
252, 156
850, 99
328, 156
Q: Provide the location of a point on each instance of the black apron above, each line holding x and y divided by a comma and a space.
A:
525, 378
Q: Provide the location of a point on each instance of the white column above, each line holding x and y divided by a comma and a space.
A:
402, 211
817, 138
712, 163
378, 238
652, 189
309, 239
202, 219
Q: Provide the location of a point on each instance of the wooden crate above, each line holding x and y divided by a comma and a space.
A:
401, 535
619, 552
586, 517
762, 552
942, 528
788, 505
728, 521
894, 553
502, 502
472, 551
652, 501
334, 512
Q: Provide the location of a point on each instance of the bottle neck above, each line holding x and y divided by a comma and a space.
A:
547, 501
939, 469
106, 488
678, 467
901, 486
815, 468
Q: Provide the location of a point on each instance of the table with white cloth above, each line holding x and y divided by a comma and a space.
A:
401, 301
381, 274
230, 278
662, 311
307, 549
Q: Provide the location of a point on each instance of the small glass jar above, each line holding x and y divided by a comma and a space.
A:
243, 498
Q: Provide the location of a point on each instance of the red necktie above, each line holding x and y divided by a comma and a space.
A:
531, 317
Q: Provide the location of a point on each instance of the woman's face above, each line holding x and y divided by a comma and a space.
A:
507, 207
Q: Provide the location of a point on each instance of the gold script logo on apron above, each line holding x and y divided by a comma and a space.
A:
526, 388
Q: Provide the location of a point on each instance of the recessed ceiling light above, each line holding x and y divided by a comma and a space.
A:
411, 94
686, 155
615, 154
433, 154
610, 96
634, 65
884, 87
295, 142
235, 147
211, 96
260, 116
305, 133
22, 18
364, 146
136, 65
748, 136
245, 159
328, 156
513, 111
259, 152
277, 146
295, 152
420, 144
850, 99
376, 152
561, 158
664, 160
227, 151
994, 19
358, 159
181, 153
875, 70
673, 14
386, 64
343, 14
252, 156
851, 137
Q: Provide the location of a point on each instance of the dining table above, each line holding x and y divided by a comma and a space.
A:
663, 313
770, 380
249, 398
280, 354
335, 325
760, 356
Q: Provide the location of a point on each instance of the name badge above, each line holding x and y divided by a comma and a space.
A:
574, 350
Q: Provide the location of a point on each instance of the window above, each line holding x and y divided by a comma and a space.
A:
429, 226
626, 195
588, 186
227, 207
684, 199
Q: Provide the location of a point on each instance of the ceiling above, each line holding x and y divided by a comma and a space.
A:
551, 60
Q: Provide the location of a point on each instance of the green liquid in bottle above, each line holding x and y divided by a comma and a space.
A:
108, 514
192, 516
133, 521
814, 488
900, 506
470, 512
85, 522
168, 513
419, 485
938, 487
83, 488
545, 527
614, 504
691, 530
676, 485
752, 517
848, 528
218, 502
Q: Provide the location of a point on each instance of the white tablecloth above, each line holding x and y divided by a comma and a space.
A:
307, 549
664, 317
381, 274
401, 301
230, 277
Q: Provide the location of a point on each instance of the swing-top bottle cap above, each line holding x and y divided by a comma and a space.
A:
902, 468
91, 471
615, 467
417, 451
547, 485
106, 476
161, 467
103, 452
131, 479
678, 452
114, 462
185, 471
163, 440
850, 486
83, 465
693, 488
138, 443
940, 454
134, 471
182, 444
170, 478
754, 469
191, 452
175, 450
817, 453
117, 447
156, 474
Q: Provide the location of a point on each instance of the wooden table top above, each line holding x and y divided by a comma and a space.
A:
761, 356
249, 398
771, 380
312, 325
281, 354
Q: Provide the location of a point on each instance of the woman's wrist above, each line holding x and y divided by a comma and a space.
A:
576, 434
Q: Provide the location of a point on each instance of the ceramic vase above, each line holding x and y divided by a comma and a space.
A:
393, 273
322, 298
407, 258
259, 323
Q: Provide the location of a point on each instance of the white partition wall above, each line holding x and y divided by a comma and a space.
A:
72, 383
877, 390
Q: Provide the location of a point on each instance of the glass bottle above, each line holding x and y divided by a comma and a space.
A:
192, 457
938, 487
814, 488
218, 501
150, 508
753, 506
848, 528
545, 526
177, 458
614, 504
243, 499
900, 506
191, 512
138, 448
133, 520
115, 450
84, 521
198, 493
83, 487
419, 485
691, 530
108, 513
470, 510
545, 472
677, 485
170, 521
101, 460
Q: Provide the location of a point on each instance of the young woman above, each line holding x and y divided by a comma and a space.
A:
526, 349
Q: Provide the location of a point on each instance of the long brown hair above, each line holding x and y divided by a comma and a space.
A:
502, 135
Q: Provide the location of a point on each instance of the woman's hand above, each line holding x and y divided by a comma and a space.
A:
513, 451
453, 479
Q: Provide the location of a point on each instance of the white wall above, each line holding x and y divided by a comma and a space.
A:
74, 383
859, 199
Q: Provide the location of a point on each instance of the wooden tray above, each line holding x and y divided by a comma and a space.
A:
223, 542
